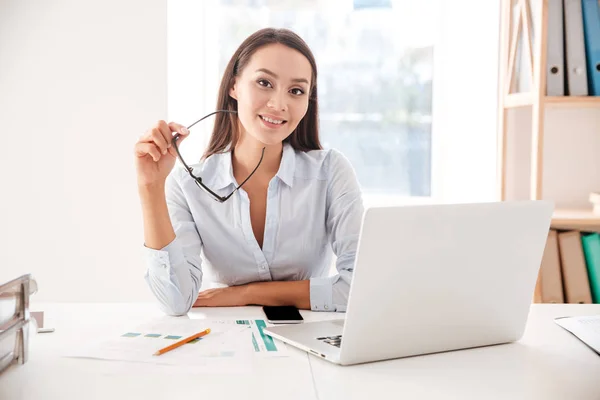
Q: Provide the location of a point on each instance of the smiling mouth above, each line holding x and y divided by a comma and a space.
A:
272, 121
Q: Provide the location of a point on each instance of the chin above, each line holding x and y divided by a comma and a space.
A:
268, 138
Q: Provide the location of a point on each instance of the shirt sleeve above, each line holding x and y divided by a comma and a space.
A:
343, 220
174, 273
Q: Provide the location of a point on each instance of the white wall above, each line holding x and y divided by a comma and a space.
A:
79, 82
571, 155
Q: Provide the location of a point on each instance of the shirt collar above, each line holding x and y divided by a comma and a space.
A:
217, 171
287, 168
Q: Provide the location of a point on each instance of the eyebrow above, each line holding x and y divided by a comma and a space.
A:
274, 75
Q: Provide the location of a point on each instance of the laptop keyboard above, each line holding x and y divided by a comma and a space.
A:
332, 340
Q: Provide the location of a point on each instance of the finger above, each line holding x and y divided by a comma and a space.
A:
164, 130
205, 293
178, 128
159, 140
200, 303
148, 136
144, 149
172, 151
175, 127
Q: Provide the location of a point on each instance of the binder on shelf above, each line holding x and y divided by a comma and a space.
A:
591, 32
574, 270
591, 249
549, 288
555, 49
555, 77
577, 82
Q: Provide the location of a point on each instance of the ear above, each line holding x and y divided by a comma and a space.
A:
232, 91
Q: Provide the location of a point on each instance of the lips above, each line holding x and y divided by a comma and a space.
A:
272, 117
268, 123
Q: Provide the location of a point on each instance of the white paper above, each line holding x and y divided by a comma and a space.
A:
585, 328
231, 346
263, 344
226, 348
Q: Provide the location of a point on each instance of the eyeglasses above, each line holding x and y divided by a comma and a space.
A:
198, 179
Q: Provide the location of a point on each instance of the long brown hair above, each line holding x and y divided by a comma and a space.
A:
225, 133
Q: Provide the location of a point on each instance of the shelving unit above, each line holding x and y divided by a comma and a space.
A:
514, 100
535, 100
569, 218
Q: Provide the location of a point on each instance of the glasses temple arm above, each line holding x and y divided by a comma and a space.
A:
249, 176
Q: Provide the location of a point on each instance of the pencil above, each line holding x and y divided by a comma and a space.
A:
182, 342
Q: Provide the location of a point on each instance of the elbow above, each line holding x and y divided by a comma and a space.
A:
176, 312
174, 309
172, 300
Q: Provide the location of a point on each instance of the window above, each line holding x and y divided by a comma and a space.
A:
382, 65
375, 61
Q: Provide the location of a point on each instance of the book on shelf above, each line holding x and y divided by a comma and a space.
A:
574, 272
549, 287
591, 250
570, 268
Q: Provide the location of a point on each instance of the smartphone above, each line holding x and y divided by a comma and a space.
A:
283, 314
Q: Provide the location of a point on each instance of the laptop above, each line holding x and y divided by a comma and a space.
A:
434, 278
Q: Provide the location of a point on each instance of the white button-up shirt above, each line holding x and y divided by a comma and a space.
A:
314, 210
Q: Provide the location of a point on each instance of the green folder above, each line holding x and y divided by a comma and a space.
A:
591, 249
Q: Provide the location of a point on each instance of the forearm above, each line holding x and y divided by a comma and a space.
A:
289, 293
158, 230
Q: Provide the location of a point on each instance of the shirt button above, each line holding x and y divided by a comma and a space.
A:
164, 265
262, 266
326, 307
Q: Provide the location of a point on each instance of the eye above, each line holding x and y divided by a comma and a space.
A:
264, 83
297, 91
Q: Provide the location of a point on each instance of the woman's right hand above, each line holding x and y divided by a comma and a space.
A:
154, 153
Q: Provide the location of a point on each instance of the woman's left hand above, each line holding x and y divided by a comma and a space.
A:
232, 296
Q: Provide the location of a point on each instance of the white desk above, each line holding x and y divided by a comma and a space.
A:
548, 363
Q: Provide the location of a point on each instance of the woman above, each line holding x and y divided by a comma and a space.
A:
271, 241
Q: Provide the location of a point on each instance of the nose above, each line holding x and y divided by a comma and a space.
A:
277, 101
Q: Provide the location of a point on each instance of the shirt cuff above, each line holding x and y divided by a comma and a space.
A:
160, 262
320, 294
